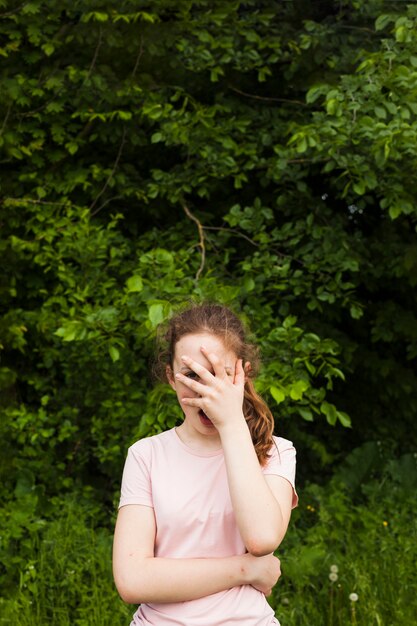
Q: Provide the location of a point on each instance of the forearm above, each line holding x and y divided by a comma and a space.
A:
163, 580
257, 512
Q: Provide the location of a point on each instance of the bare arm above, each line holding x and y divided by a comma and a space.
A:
262, 505
141, 577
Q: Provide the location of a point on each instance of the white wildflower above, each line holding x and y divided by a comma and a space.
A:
334, 569
333, 576
353, 597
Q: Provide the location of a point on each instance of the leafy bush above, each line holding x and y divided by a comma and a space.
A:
65, 575
340, 546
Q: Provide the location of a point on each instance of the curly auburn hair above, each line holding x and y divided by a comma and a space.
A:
220, 321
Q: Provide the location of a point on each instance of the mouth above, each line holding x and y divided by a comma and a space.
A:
204, 419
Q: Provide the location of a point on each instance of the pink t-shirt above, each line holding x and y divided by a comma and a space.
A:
190, 496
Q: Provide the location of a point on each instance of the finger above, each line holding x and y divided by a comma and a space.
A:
194, 385
199, 369
193, 401
239, 378
217, 364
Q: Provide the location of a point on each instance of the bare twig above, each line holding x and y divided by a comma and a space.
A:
266, 98
360, 28
110, 176
105, 203
234, 231
96, 51
16, 10
138, 58
6, 118
202, 240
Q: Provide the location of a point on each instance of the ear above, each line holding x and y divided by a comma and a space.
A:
247, 369
170, 376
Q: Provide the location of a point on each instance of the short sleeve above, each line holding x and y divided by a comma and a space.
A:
136, 481
282, 463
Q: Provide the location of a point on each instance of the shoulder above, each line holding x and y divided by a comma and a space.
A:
147, 444
282, 462
281, 455
148, 448
282, 445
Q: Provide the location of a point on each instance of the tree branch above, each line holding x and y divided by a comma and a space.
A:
105, 203
202, 240
266, 98
6, 118
16, 10
234, 231
138, 58
110, 176
96, 51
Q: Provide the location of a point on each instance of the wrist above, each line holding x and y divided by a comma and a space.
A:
234, 425
244, 570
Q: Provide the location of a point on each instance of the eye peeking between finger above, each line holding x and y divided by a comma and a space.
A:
191, 375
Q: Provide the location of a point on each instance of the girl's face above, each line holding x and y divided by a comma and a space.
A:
189, 345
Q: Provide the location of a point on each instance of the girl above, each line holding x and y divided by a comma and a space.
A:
203, 506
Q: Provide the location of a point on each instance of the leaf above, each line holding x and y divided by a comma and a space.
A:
306, 414
401, 34
359, 187
394, 211
72, 147
302, 145
356, 311
297, 389
382, 21
156, 314
157, 137
277, 394
329, 410
344, 419
114, 353
332, 106
248, 284
134, 284
380, 112
314, 93
48, 48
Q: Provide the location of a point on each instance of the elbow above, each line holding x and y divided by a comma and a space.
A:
127, 596
258, 547
130, 588
126, 593
262, 545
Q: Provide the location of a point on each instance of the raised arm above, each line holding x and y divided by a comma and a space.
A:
262, 505
140, 577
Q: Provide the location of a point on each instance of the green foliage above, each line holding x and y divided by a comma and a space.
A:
65, 571
65, 575
260, 154
338, 546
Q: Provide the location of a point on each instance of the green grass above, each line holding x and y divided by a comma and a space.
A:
372, 545
67, 580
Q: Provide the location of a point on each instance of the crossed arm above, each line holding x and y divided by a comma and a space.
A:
262, 506
141, 577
